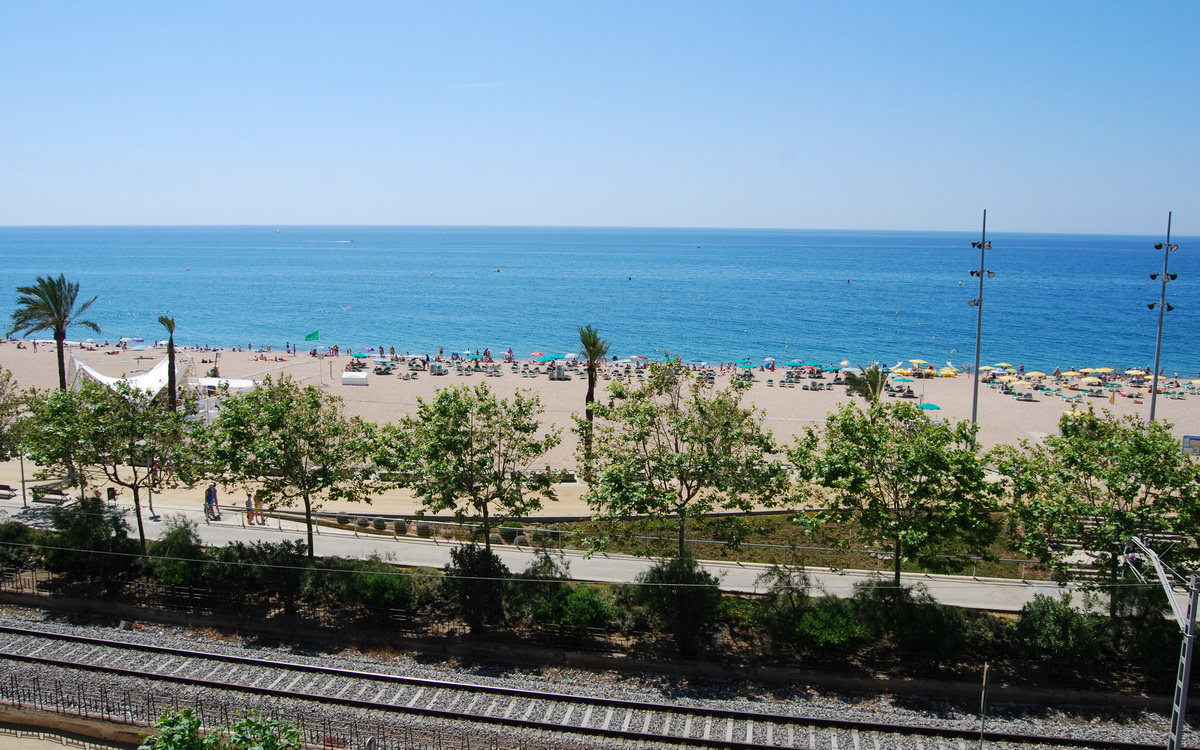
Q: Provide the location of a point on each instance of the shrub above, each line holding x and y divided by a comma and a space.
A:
683, 598
15, 543
1051, 629
178, 558
92, 542
910, 617
400, 526
343, 520
362, 523
424, 530
509, 531
475, 583
830, 621
785, 602
379, 524
541, 589
587, 607
495, 539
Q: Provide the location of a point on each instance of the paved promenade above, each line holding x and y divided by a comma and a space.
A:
964, 591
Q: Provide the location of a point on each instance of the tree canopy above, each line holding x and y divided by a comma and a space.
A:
118, 434
1102, 480
288, 441
919, 486
472, 453
673, 447
49, 305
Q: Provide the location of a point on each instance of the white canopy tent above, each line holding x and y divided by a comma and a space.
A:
153, 381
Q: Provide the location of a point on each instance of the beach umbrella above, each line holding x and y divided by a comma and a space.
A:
1035, 374
812, 364
1090, 380
830, 368
381, 360
746, 366
547, 358
1003, 364
929, 407
572, 355
1104, 369
918, 361
903, 380
359, 355
986, 368
1135, 372
768, 359
793, 363
472, 356
741, 361
638, 356
1071, 374
537, 354
124, 339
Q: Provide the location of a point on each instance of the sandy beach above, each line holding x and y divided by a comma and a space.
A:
788, 411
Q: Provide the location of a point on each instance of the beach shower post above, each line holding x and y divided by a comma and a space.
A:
1163, 307
977, 303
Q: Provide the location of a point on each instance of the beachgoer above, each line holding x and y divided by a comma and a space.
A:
258, 508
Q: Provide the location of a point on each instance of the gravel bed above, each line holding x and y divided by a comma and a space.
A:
1126, 725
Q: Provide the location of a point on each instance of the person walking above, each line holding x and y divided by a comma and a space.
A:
212, 511
249, 511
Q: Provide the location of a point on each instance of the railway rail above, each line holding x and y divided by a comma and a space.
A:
577, 715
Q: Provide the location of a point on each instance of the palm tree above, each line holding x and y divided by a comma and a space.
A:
169, 324
595, 349
49, 305
870, 385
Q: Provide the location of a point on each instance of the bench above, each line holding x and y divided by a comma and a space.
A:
6, 492
50, 496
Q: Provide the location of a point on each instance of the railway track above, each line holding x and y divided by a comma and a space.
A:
616, 720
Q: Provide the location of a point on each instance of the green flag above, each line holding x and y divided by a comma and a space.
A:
314, 336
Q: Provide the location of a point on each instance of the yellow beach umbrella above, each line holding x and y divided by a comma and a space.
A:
989, 368
1088, 369
1104, 369
1035, 374
1071, 373
1135, 372
1003, 364
1091, 380
918, 361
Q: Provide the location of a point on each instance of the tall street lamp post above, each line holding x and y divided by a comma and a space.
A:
1163, 307
977, 303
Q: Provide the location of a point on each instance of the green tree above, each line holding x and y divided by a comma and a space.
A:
903, 480
672, 447
172, 390
183, 730
595, 350
871, 384
12, 406
1102, 480
472, 453
49, 305
116, 433
289, 441
54, 434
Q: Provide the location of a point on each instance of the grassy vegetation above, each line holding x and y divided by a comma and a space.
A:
773, 539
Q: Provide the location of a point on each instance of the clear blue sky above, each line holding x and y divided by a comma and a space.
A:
1054, 116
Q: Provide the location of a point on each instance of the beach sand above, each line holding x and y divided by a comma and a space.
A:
788, 411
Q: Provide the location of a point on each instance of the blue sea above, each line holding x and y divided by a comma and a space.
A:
703, 294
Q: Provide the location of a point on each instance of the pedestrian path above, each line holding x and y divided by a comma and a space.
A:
1005, 595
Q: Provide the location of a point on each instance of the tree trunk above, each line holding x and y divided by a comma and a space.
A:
682, 535
60, 341
487, 528
308, 524
587, 432
171, 398
896, 564
137, 509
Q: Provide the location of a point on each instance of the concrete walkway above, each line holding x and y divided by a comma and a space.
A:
1007, 595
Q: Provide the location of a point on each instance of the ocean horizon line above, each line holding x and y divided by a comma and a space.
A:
993, 233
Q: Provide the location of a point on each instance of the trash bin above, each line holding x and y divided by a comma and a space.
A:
112, 494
